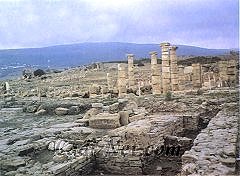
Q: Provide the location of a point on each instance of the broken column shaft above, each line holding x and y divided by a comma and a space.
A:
131, 79
173, 68
166, 76
122, 80
196, 76
156, 75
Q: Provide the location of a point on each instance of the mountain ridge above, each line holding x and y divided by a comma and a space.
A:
84, 53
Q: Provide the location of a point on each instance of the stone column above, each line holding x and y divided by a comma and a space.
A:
131, 80
173, 68
181, 78
232, 73
156, 75
109, 82
196, 76
166, 76
222, 65
122, 80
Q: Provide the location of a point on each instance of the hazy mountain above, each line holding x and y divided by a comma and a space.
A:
83, 53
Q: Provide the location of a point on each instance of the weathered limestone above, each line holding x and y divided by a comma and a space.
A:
61, 111
166, 76
122, 81
174, 68
232, 72
131, 80
124, 150
105, 121
181, 78
109, 82
214, 149
196, 76
227, 73
7, 87
156, 75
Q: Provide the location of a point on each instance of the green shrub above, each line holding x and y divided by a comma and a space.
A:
168, 96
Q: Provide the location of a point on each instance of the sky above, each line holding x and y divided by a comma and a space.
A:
40, 23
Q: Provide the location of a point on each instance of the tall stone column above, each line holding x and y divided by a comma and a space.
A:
109, 82
122, 80
166, 76
196, 76
232, 73
131, 80
181, 78
223, 70
156, 75
173, 68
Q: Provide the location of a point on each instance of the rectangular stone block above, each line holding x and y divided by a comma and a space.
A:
105, 121
136, 117
165, 69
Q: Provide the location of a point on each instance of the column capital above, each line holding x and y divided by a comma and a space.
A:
165, 44
153, 53
130, 55
173, 48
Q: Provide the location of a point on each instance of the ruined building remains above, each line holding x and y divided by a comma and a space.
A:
169, 76
156, 75
122, 80
131, 80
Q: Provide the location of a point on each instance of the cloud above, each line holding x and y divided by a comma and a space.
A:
36, 23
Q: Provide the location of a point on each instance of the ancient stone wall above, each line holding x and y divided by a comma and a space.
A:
124, 151
214, 149
81, 165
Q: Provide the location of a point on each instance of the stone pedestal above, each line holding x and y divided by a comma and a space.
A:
122, 80
173, 68
131, 79
156, 75
196, 76
166, 75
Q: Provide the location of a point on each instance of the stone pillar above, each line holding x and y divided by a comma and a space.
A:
156, 75
122, 80
109, 82
131, 80
7, 87
223, 77
181, 78
166, 76
173, 68
196, 76
232, 73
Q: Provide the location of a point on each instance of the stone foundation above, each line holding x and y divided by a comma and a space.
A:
214, 149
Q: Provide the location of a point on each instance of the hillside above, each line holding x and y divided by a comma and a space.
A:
14, 60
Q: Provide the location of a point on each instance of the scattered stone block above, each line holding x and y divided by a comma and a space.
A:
97, 105
136, 117
13, 163
105, 121
61, 111
41, 112
73, 110
124, 115
92, 112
